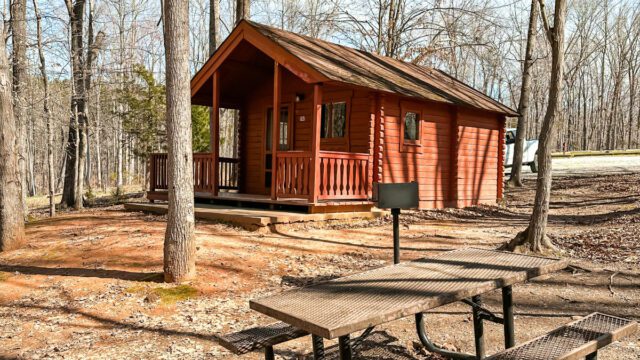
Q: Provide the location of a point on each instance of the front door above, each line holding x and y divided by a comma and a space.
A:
284, 139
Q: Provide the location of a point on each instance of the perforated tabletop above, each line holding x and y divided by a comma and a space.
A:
352, 303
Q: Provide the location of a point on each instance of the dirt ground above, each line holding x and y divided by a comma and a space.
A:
88, 284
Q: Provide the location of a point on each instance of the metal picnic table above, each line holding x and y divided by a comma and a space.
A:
340, 307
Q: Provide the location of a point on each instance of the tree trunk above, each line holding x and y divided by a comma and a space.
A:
523, 105
76, 144
11, 208
534, 237
179, 242
243, 8
47, 113
214, 25
19, 35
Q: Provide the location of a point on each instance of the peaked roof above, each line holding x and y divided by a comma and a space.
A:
356, 67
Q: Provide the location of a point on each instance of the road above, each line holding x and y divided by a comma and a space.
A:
592, 165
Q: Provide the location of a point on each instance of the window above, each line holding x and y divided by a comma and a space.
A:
283, 136
411, 120
334, 120
411, 126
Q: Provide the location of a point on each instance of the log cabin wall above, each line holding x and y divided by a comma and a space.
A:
426, 162
478, 157
456, 159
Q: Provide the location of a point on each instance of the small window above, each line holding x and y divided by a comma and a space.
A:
411, 126
334, 120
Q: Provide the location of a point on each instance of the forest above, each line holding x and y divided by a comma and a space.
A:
108, 55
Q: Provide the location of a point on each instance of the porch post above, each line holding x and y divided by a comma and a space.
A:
214, 128
315, 143
275, 129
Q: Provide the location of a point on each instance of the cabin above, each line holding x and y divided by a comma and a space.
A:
345, 120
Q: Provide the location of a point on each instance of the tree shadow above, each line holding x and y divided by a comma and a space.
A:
82, 272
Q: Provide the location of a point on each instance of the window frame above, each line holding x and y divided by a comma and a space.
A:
404, 109
338, 97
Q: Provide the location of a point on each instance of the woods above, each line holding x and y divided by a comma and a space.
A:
483, 45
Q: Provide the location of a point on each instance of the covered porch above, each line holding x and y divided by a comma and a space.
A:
318, 158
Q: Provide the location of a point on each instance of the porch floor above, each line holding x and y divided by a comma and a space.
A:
252, 218
261, 201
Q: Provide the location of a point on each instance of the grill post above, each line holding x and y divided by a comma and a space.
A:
478, 328
396, 235
507, 314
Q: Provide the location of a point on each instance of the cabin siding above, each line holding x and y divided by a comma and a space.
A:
478, 157
428, 163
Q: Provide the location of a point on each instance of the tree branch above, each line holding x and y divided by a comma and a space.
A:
545, 22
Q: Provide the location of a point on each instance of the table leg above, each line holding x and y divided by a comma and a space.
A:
345, 347
478, 328
318, 347
507, 311
424, 339
268, 353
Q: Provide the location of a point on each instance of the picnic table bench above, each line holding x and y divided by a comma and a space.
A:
359, 302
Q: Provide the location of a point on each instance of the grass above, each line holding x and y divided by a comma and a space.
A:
175, 294
166, 296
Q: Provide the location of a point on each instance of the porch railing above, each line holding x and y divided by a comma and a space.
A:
202, 172
228, 173
293, 171
344, 175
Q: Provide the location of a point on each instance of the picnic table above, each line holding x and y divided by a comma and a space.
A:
343, 306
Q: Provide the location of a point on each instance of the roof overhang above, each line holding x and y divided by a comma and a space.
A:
245, 32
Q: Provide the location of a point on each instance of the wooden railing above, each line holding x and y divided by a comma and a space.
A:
293, 172
158, 179
228, 170
344, 175
202, 172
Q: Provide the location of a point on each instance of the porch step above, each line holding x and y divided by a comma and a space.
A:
254, 219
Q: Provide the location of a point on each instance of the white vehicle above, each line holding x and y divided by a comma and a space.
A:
529, 156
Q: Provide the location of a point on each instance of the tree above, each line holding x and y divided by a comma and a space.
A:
47, 112
243, 8
11, 208
76, 142
534, 237
523, 104
214, 25
179, 242
20, 75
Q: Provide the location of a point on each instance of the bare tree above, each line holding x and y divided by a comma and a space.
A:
76, 143
47, 112
11, 209
20, 75
523, 105
214, 25
179, 242
243, 8
534, 238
